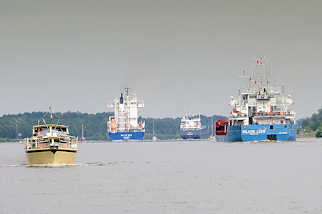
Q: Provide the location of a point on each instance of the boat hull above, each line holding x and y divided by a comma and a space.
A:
125, 136
194, 133
51, 156
253, 133
278, 132
233, 135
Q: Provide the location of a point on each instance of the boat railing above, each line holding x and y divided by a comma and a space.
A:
36, 143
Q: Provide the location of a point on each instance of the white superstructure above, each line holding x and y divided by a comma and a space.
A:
261, 102
125, 117
190, 122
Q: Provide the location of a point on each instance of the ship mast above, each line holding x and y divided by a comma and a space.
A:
51, 114
127, 91
128, 108
153, 129
83, 137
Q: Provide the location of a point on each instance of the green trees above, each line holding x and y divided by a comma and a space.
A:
20, 125
314, 123
319, 133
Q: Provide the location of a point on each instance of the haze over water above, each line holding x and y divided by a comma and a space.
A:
168, 177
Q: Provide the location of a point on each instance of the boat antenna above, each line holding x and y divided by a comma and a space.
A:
51, 114
44, 121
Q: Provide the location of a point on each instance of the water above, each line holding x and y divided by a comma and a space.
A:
168, 177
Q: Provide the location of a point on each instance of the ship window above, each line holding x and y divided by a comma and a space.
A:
271, 127
44, 131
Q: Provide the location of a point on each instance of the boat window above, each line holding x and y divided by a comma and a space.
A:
43, 131
58, 129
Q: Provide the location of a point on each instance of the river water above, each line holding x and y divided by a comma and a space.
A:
168, 177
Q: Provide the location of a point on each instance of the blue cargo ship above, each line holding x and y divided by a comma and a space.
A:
124, 124
261, 112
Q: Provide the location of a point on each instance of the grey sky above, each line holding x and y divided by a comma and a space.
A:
180, 56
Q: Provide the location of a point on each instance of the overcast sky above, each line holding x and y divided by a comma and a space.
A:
179, 56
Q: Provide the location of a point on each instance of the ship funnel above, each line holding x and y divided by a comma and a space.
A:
121, 98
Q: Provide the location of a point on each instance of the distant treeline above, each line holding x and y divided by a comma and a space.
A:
19, 126
313, 124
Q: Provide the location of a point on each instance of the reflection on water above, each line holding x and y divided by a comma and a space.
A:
168, 177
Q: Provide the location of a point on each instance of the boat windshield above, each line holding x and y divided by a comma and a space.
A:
43, 131
60, 130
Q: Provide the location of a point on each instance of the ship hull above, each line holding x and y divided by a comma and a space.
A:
276, 132
233, 135
194, 133
51, 156
254, 133
125, 136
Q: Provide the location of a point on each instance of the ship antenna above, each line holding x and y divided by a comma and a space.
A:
43, 119
153, 127
51, 114
127, 91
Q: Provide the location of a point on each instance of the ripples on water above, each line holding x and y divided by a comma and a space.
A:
168, 177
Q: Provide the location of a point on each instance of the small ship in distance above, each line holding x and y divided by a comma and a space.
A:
191, 127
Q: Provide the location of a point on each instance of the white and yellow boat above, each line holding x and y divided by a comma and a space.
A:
51, 144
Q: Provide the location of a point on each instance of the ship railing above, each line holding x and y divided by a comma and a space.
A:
32, 143
273, 114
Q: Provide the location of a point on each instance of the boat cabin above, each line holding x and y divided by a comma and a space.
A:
50, 130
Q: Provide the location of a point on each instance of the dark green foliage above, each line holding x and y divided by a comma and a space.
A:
94, 124
319, 133
314, 123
